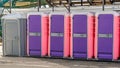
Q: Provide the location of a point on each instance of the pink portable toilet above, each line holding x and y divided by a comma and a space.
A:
37, 34
82, 35
107, 36
59, 35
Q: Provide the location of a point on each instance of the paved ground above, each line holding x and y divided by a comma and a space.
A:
13, 62
29, 62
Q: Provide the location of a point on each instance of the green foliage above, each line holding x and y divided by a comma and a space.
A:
1, 33
43, 2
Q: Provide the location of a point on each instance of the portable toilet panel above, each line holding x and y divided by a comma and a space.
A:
56, 39
107, 36
44, 34
67, 35
91, 35
14, 35
37, 34
82, 36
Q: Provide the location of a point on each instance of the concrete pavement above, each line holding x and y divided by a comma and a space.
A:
27, 62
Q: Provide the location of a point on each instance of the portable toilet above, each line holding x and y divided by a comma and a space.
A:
14, 34
37, 35
58, 40
107, 36
82, 35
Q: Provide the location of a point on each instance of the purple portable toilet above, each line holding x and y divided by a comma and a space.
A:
37, 36
82, 35
34, 34
107, 36
56, 39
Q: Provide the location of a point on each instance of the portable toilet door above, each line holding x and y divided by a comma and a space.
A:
107, 36
14, 35
34, 34
56, 44
11, 37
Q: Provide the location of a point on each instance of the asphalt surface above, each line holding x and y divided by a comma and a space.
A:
32, 62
